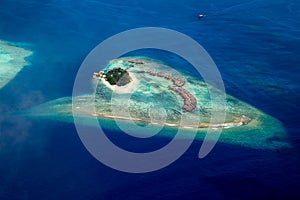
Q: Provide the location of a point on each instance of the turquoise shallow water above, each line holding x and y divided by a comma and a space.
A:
255, 44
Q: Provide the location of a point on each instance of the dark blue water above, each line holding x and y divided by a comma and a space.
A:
255, 44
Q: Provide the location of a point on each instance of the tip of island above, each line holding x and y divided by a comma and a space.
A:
12, 61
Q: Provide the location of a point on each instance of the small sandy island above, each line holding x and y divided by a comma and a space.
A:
128, 88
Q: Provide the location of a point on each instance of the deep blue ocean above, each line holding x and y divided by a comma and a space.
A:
255, 44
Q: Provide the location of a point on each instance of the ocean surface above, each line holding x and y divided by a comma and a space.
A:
255, 44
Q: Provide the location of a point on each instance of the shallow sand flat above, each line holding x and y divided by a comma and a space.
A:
263, 132
244, 125
12, 60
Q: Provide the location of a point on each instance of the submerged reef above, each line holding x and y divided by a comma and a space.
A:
159, 95
12, 60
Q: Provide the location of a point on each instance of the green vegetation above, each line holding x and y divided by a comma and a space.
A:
118, 76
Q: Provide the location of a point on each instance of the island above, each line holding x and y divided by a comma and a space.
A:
147, 85
116, 76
